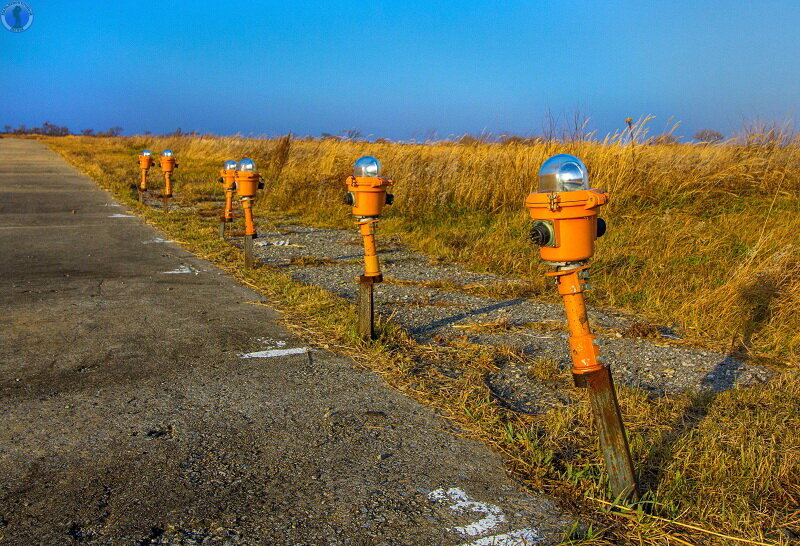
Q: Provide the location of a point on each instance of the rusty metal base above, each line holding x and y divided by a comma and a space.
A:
370, 279
248, 252
366, 308
611, 431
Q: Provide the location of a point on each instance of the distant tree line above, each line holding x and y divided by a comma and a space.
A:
51, 129
573, 130
707, 136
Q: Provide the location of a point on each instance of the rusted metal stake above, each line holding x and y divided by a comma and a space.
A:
366, 307
166, 204
222, 229
141, 196
589, 372
248, 252
611, 430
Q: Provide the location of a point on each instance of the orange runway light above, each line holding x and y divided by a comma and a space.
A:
145, 162
168, 166
248, 182
367, 193
228, 181
565, 226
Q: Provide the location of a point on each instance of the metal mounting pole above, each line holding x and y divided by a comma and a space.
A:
611, 430
227, 212
142, 185
589, 372
167, 190
248, 251
372, 274
249, 231
366, 307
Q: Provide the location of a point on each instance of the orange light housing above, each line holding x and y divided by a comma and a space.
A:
573, 217
145, 162
369, 194
167, 164
247, 183
228, 179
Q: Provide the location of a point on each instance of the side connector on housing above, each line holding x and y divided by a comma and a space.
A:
543, 233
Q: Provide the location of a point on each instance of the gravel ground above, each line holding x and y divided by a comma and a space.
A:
434, 306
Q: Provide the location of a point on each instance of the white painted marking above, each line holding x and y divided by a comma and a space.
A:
493, 517
182, 270
271, 353
122, 216
157, 240
110, 205
278, 243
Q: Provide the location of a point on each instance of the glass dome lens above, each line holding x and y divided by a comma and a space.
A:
367, 166
167, 153
563, 172
229, 165
246, 165
147, 153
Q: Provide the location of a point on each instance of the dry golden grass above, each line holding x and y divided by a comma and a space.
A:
703, 238
710, 246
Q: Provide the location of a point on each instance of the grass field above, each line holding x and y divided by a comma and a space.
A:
704, 239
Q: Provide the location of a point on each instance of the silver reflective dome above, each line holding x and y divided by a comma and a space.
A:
167, 153
246, 165
147, 153
367, 166
229, 165
563, 172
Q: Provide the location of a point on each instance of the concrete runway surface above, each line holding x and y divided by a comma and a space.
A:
129, 415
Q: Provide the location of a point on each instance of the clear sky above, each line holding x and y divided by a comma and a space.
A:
399, 69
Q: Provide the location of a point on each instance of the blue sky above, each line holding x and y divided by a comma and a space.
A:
399, 69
